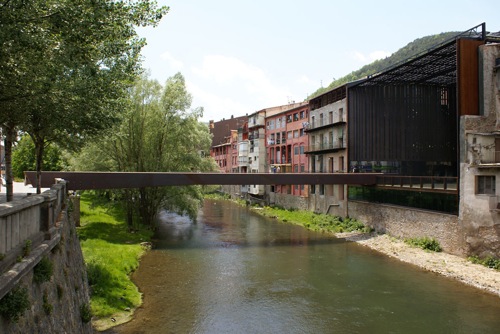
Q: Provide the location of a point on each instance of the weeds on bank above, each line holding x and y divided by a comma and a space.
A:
488, 261
111, 254
425, 243
314, 221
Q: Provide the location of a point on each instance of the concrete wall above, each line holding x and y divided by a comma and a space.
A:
480, 213
405, 222
66, 291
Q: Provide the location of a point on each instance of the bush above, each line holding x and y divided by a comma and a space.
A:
488, 261
85, 313
425, 243
43, 270
14, 304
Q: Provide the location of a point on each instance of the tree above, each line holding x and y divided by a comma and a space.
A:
158, 133
23, 157
65, 66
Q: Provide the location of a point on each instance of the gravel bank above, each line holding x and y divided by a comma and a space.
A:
445, 264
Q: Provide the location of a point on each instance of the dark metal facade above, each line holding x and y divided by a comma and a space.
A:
412, 127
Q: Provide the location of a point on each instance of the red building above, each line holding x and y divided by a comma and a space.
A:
286, 141
224, 147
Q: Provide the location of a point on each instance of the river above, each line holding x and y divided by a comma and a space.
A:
234, 271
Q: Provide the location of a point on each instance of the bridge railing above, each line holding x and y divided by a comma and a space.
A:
27, 222
436, 183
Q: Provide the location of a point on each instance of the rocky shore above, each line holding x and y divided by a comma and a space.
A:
452, 266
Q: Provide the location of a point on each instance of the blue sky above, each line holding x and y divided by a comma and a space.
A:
242, 56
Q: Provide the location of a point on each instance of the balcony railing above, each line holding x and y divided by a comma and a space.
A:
308, 126
340, 144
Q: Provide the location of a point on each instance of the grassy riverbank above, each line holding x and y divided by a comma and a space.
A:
310, 220
111, 254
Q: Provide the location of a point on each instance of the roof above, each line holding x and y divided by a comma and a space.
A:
436, 66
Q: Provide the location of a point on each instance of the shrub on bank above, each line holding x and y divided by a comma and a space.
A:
488, 261
425, 243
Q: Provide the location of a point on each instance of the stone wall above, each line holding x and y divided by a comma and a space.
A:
290, 201
56, 305
406, 222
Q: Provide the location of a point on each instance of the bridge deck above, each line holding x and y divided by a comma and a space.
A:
116, 180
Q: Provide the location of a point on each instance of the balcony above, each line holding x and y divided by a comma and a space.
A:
321, 124
325, 147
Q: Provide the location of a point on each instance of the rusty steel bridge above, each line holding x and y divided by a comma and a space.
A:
122, 180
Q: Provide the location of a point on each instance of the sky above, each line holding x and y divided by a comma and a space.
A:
241, 56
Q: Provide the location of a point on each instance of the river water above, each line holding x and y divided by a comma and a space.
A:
234, 271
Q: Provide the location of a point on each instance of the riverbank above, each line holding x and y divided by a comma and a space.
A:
448, 265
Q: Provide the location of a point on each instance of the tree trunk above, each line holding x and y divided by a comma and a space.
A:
39, 149
10, 136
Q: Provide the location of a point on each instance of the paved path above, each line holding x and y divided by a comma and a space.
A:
20, 191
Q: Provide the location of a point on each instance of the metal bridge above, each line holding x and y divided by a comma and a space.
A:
119, 180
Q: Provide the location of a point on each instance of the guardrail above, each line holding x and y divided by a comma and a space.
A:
27, 222
428, 183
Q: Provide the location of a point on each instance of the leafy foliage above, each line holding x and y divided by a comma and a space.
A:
23, 157
489, 261
14, 304
425, 243
404, 54
66, 65
43, 270
314, 221
157, 133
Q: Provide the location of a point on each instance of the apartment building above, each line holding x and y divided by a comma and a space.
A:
327, 150
224, 147
286, 142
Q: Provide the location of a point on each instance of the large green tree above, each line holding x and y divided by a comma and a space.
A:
65, 66
158, 133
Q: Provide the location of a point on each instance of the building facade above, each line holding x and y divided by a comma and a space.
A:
327, 150
286, 142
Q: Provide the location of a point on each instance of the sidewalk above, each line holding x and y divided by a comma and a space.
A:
20, 191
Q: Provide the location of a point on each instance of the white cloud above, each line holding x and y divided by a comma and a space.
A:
174, 63
237, 81
215, 106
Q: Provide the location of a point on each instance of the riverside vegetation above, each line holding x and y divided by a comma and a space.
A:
111, 252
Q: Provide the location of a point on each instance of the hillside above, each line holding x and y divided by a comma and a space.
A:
411, 49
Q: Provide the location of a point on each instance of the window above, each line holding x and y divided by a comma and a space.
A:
296, 134
485, 184
296, 116
289, 135
296, 150
302, 149
302, 115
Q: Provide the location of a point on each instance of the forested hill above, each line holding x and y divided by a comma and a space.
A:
411, 49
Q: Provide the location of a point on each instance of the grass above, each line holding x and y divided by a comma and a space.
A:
314, 221
111, 254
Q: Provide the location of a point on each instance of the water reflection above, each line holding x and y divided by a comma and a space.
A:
236, 272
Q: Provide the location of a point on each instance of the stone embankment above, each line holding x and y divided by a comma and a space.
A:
448, 265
